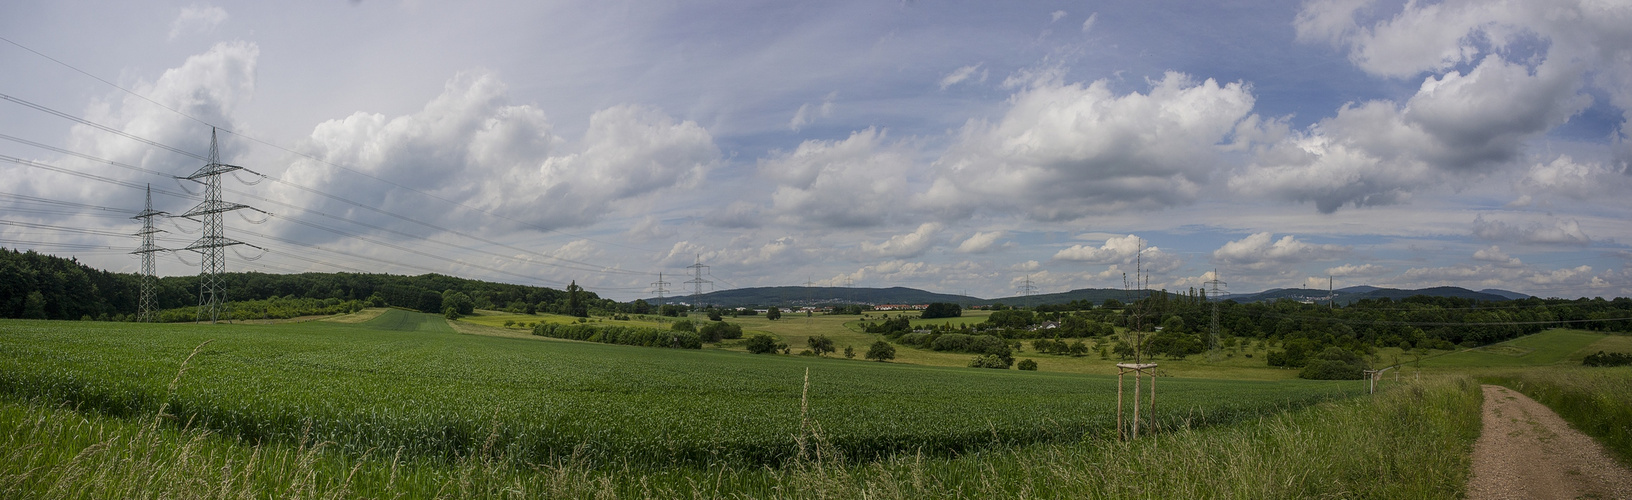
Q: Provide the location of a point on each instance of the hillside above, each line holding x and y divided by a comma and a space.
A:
817, 296
1351, 294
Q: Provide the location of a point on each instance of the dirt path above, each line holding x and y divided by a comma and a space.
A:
1527, 451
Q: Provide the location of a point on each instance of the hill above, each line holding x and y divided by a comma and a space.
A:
817, 296
1351, 294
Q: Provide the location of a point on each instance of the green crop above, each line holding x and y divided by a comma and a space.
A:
404, 381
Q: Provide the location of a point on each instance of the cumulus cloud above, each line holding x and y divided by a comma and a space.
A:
964, 73
808, 113
739, 214
1531, 60
470, 146
1378, 152
1566, 179
1495, 255
649, 228
1063, 151
981, 242
197, 19
1347, 270
1553, 231
848, 183
1123, 250
911, 244
1262, 251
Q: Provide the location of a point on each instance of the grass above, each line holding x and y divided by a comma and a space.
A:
1411, 442
1545, 348
405, 380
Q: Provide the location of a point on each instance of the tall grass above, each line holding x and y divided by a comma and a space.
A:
1410, 442
1596, 401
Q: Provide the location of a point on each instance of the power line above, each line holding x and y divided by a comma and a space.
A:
211, 247
146, 305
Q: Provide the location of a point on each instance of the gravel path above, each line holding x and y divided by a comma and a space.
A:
1527, 451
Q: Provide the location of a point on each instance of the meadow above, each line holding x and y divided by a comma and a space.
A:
407, 381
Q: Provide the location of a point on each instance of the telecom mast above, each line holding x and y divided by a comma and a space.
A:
145, 305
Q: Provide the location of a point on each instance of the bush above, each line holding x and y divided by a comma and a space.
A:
684, 325
625, 335
760, 343
989, 361
1027, 365
719, 330
1608, 359
881, 351
1334, 363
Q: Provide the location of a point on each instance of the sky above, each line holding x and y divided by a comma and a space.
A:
956, 147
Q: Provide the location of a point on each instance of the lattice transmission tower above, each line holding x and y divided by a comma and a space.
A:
697, 282
212, 245
146, 304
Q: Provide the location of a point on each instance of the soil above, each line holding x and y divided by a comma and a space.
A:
1527, 451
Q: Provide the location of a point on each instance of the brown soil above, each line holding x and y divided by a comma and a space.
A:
1527, 451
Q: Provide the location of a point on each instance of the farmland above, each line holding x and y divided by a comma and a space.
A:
405, 380
387, 402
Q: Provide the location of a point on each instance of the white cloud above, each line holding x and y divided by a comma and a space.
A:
1261, 251
964, 73
981, 242
853, 182
905, 245
649, 228
1566, 179
1553, 231
579, 250
471, 146
1066, 151
1354, 270
808, 113
197, 19
1494, 254
1116, 249
1531, 60
1056, 16
1088, 25
1379, 152
1123, 250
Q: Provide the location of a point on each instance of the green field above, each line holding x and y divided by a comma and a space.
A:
404, 380
1545, 348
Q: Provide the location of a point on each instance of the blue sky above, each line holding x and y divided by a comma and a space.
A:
952, 146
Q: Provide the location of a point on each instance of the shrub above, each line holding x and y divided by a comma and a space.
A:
1334, 363
881, 351
989, 361
719, 330
760, 343
1608, 359
1027, 365
684, 325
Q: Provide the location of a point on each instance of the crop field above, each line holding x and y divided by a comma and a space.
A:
405, 381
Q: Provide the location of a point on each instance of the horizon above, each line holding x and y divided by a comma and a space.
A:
969, 147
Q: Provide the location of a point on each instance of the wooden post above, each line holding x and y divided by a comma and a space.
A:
1119, 377
1152, 412
1136, 403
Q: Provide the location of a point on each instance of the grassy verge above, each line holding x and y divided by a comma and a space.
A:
1596, 401
1411, 442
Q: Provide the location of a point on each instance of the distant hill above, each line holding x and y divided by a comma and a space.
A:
1092, 295
1352, 294
818, 296
1505, 293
